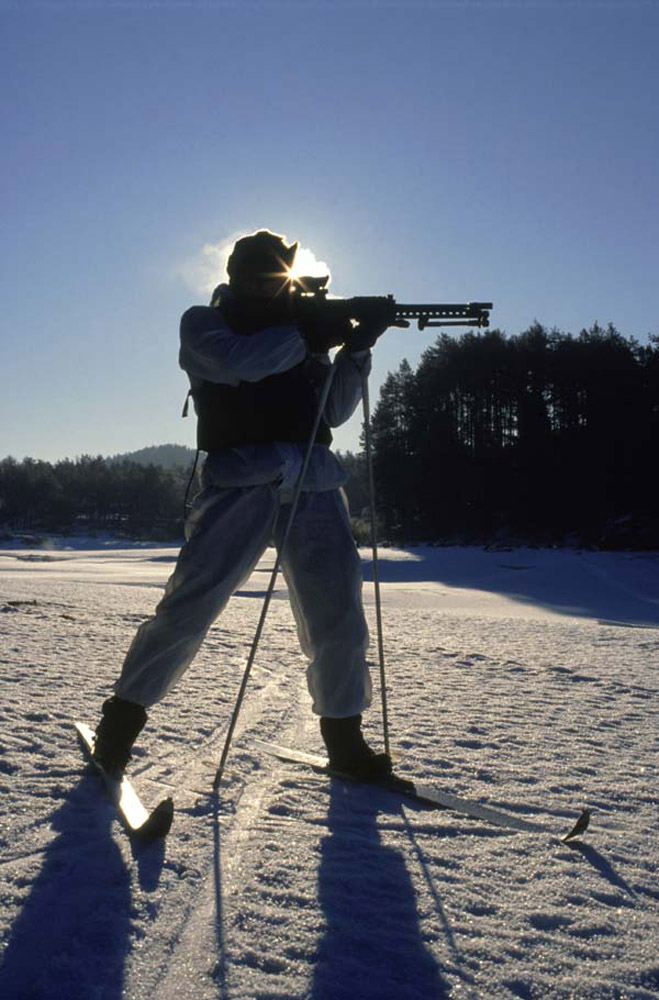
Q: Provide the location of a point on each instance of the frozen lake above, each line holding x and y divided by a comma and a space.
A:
526, 679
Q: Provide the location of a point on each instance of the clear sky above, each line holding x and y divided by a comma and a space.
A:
441, 151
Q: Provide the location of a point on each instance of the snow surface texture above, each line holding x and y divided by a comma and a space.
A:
526, 679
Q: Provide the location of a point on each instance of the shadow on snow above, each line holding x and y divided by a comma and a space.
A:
372, 947
73, 933
612, 587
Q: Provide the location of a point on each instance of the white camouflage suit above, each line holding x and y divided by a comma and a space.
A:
242, 508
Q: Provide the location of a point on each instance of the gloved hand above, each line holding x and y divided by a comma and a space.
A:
380, 316
321, 332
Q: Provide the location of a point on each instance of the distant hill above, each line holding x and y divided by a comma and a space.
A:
169, 456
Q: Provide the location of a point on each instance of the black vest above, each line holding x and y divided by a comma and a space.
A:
280, 407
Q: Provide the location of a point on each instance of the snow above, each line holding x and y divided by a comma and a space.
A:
523, 678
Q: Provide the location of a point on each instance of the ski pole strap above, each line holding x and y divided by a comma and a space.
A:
186, 504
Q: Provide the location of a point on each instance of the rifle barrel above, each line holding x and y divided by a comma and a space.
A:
446, 314
361, 308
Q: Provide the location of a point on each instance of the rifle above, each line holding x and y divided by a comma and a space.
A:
309, 299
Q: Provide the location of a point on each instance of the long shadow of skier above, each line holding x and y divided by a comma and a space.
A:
373, 947
72, 935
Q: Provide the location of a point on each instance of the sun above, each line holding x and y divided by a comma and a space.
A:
306, 264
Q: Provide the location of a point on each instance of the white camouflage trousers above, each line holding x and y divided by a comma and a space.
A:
227, 533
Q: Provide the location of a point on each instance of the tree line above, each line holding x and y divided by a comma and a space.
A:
93, 494
543, 436
140, 495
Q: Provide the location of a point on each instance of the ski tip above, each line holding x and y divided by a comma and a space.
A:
579, 827
158, 824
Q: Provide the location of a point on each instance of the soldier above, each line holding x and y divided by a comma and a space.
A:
255, 378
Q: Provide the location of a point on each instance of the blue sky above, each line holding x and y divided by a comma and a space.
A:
438, 151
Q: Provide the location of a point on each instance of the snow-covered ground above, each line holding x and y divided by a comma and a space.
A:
526, 679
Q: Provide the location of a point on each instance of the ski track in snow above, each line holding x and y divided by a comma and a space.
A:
526, 679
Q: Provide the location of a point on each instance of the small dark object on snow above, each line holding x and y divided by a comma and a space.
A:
579, 827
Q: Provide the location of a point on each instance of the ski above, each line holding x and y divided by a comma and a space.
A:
424, 793
143, 825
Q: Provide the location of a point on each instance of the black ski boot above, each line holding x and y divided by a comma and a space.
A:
121, 724
349, 752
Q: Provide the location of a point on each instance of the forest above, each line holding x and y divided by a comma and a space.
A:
129, 497
544, 437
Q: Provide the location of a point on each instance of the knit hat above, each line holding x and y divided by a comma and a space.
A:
259, 255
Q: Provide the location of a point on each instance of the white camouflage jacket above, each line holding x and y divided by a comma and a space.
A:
220, 355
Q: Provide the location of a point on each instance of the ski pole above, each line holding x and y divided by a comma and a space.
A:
374, 548
273, 577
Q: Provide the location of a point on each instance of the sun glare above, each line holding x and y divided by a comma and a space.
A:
306, 264
203, 271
